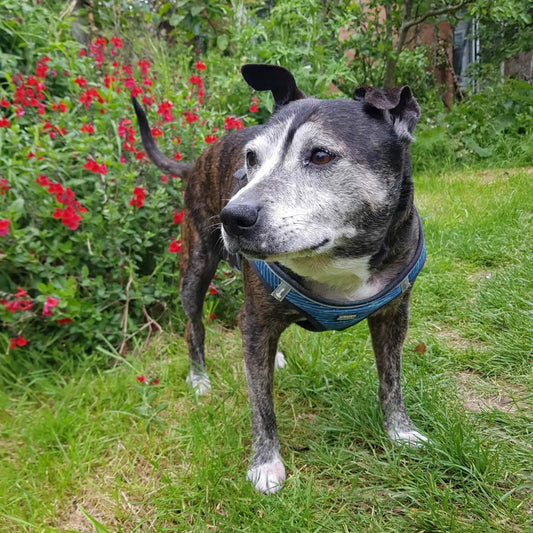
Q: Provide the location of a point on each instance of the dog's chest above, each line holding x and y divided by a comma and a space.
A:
339, 279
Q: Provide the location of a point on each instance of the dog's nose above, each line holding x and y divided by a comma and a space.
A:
239, 218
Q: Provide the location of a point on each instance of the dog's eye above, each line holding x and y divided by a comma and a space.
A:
320, 157
251, 159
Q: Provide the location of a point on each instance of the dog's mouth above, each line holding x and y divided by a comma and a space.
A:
261, 254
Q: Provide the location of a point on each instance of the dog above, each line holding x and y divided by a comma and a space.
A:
316, 206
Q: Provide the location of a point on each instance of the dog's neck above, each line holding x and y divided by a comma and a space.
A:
341, 279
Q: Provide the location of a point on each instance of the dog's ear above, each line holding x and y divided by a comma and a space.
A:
398, 106
272, 78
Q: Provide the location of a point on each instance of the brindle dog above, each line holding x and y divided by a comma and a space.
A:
323, 190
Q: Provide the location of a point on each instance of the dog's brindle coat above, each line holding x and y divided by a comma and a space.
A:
327, 193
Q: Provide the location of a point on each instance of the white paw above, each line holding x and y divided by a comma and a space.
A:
280, 360
268, 477
199, 381
410, 437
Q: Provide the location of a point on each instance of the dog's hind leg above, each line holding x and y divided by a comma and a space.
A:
198, 264
388, 328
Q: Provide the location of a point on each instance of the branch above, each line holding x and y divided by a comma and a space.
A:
434, 13
69, 9
125, 316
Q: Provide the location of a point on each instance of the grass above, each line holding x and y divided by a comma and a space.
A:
85, 447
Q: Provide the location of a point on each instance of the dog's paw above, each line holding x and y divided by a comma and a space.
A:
407, 436
199, 381
268, 477
280, 362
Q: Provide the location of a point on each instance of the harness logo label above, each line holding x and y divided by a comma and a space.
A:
347, 317
281, 291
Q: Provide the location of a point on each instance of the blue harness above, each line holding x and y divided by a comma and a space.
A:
322, 315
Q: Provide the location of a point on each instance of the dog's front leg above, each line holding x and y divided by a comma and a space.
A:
259, 340
388, 328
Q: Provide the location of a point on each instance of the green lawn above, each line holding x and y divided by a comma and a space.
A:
85, 447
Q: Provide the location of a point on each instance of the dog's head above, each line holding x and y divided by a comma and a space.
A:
323, 176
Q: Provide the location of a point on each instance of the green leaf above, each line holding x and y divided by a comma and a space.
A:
16, 209
474, 146
222, 42
176, 19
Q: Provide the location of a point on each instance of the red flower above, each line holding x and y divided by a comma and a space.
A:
17, 342
200, 65
116, 42
178, 156
232, 123
41, 68
3, 186
42, 180
196, 80
4, 102
4, 123
93, 166
175, 246
122, 128
61, 106
68, 217
177, 218
210, 138
147, 100
62, 321
87, 128
49, 305
81, 82
4, 226
253, 108
212, 290
138, 197
141, 379
156, 132
164, 109
144, 65
88, 96
108, 80
21, 293
190, 117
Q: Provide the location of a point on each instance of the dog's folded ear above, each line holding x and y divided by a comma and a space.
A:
272, 78
398, 106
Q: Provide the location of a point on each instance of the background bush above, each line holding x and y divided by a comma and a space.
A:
89, 229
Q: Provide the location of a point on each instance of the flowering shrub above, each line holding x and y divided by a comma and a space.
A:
89, 229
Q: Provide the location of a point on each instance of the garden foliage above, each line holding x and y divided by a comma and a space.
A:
89, 230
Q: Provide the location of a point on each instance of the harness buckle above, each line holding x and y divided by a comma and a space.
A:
405, 284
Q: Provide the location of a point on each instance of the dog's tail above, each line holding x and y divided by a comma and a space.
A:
183, 170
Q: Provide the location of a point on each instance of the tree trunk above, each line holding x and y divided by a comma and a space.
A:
392, 61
